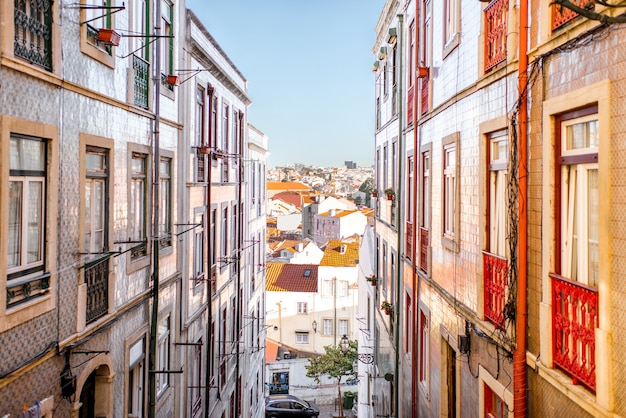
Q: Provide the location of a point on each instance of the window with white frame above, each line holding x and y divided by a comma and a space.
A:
327, 288
343, 327
302, 337
424, 350
198, 250
136, 379
26, 219
498, 163
451, 21
96, 214
451, 213
138, 215
342, 288
200, 137
167, 44
303, 308
196, 380
165, 197
163, 356
327, 326
579, 195
224, 233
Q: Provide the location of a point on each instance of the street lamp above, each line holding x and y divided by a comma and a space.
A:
344, 344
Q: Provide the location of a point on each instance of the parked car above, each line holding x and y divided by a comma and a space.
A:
278, 406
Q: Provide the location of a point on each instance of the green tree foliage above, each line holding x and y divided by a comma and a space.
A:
367, 186
334, 364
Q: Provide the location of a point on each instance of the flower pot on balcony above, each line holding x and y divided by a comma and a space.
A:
108, 37
386, 307
375, 193
172, 80
372, 279
390, 194
204, 150
422, 72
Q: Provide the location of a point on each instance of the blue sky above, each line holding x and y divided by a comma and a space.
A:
308, 65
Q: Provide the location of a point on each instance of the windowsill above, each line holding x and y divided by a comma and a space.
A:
449, 242
138, 263
19, 314
451, 44
165, 91
94, 52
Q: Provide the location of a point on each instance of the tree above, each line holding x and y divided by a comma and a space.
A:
335, 364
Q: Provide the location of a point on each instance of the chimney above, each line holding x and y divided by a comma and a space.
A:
331, 212
299, 247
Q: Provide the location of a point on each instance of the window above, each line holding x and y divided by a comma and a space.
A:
96, 271
424, 351
451, 215
200, 137
98, 36
327, 326
167, 44
26, 220
136, 379
497, 220
395, 73
342, 288
494, 406
385, 180
343, 327
579, 199
327, 288
495, 33
408, 323
27, 191
303, 308
224, 235
451, 25
163, 356
138, 215
165, 197
213, 235
424, 207
302, 337
213, 118
33, 32
198, 250
225, 127
196, 380
235, 229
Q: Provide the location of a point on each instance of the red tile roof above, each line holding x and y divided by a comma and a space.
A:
283, 277
287, 185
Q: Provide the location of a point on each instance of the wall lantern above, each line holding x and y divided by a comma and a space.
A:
344, 344
314, 326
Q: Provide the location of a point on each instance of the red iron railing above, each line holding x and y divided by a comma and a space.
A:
424, 233
495, 33
424, 101
495, 284
574, 320
409, 105
409, 240
562, 15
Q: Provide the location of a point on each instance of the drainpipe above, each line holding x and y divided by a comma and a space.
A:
416, 283
399, 279
209, 260
519, 355
152, 367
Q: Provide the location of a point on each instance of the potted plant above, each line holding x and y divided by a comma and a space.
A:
203, 149
372, 279
108, 37
390, 194
386, 306
375, 193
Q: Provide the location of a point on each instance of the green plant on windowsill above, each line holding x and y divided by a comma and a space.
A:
372, 279
390, 194
386, 306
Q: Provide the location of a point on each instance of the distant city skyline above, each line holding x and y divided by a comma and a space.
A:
311, 85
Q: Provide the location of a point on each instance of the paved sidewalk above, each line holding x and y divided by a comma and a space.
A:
328, 411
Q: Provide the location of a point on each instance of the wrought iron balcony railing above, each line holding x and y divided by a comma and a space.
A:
574, 320
562, 15
409, 240
141, 83
424, 243
33, 32
425, 93
97, 280
495, 285
495, 33
409, 105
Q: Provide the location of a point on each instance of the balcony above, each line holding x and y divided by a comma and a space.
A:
409, 240
424, 233
562, 16
409, 105
97, 280
495, 284
574, 320
33, 32
425, 93
495, 33
141, 69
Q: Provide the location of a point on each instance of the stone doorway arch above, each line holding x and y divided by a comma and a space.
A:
94, 389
